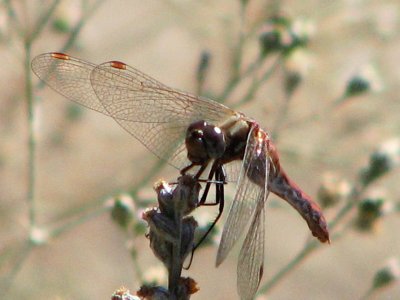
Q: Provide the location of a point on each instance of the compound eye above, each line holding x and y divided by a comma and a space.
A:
215, 141
197, 134
198, 125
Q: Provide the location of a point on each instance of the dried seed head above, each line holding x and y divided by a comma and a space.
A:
202, 68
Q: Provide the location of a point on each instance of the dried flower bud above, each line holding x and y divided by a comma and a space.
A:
203, 66
183, 199
153, 293
382, 161
357, 85
270, 41
164, 198
123, 210
366, 80
371, 210
333, 190
163, 235
160, 224
281, 34
388, 275
272, 36
292, 81
186, 194
189, 226
187, 286
123, 294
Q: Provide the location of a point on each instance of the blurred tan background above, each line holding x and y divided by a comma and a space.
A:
83, 157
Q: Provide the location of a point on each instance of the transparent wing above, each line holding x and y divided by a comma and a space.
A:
233, 170
250, 192
251, 258
150, 111
68, 76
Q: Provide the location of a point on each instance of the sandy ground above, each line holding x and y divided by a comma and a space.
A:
82, 161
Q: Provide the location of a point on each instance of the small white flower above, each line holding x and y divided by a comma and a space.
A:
304, 28
333, 189
391, 149
299, 62
370, 74
38, 236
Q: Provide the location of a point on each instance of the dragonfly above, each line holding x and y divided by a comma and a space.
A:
192, 133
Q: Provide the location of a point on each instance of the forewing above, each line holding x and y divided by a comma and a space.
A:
68, 76
155, 114
248, 193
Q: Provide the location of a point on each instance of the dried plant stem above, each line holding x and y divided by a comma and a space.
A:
76, 30
19, 257
282, 273
175, 271
29, 37
84, 217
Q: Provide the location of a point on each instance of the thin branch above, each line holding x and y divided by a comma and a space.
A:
31, 135
84, 217
21, 255
76, 30
313, 245
257, 83
42, 22
16, 24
